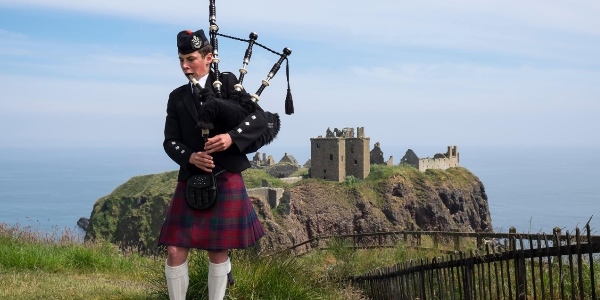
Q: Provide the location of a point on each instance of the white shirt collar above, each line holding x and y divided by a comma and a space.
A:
201, 81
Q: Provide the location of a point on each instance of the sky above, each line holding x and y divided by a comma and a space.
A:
414, 74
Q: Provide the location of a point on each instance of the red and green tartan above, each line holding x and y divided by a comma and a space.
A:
231, 223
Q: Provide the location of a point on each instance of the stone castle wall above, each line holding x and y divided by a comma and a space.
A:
440, 161
327, 159
340, 154
358, 159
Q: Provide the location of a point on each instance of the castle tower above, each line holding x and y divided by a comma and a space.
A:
327, 158
340, 154
457, 155
455, 159
358, 162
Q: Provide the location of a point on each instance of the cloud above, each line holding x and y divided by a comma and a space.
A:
423, 22
410, 72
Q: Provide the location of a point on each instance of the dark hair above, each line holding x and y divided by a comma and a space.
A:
205, 50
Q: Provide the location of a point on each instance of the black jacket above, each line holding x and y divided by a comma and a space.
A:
183, 137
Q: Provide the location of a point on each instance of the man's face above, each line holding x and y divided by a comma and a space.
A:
194, 64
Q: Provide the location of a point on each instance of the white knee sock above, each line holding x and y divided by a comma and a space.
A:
217, 279
177, 280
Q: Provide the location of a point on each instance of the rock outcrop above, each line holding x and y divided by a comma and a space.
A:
132, 215
83, 223
437, 200
390, 199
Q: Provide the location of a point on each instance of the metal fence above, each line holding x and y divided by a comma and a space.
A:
515, 266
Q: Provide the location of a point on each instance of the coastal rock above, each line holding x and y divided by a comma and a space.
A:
453, 199
83, 223
132, 215
438, 200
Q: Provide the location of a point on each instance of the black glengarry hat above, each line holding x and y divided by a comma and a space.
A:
188, 41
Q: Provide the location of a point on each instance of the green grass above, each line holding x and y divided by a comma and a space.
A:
58, 266
256, 277
253, 178
33, 266
378, 182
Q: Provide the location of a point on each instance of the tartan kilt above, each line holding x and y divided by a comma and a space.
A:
231, 223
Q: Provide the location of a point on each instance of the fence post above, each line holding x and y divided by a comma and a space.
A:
556, 231
456, 240
423, 278
591, 255
520, 270
511, 240
468, 267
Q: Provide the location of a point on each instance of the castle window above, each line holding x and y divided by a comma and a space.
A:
356, 162
352, 150
325, 171
330, 156
318, 145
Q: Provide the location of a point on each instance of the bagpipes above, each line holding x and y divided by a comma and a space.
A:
228, 113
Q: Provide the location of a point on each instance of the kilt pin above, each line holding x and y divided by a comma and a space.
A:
231, 223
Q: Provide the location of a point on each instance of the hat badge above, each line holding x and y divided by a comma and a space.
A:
195, 42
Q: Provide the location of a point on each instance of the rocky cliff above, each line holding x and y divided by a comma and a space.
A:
390, 199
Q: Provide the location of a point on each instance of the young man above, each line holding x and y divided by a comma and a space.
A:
231, 223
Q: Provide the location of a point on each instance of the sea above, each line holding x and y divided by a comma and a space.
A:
531, 189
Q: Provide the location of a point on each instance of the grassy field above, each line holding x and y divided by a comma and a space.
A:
58, 266
33, 266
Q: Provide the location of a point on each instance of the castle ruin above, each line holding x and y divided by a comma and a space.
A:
340, 154
265, 161
440, 161
377, 156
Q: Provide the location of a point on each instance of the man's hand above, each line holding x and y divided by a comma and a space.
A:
203, 161
218, 143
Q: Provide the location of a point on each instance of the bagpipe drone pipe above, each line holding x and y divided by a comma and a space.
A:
240, 105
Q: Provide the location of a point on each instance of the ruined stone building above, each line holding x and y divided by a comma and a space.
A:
340, 154
441, 161
288, 159
377, 156
284, 168
258, 162
306, 165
